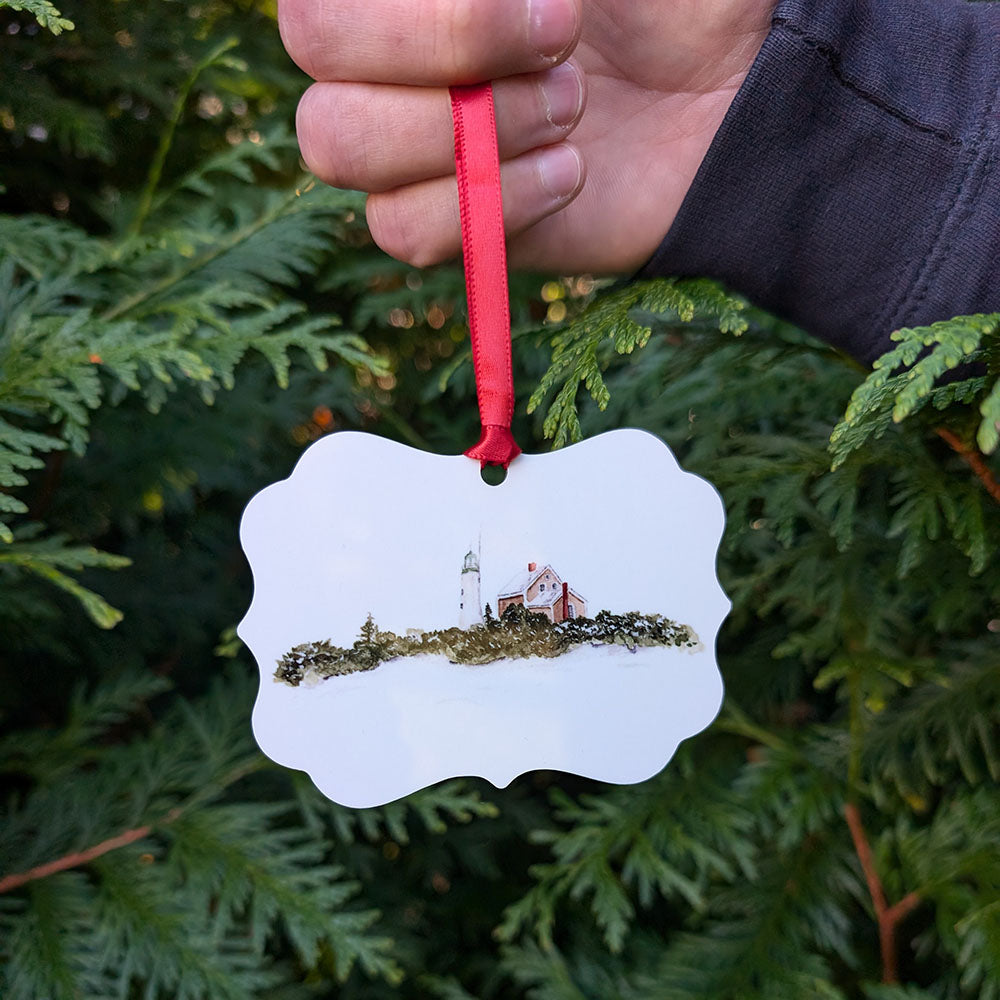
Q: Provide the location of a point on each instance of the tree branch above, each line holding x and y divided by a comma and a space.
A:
222, 247
167, 137
973, 459
899, 910
77, 858
888, 917
9, 882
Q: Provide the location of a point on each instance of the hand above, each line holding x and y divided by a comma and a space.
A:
642, 86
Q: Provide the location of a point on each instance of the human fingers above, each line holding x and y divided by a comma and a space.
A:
427, 42
420, 223
376, 137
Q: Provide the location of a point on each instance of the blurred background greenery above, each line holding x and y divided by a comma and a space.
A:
182, 311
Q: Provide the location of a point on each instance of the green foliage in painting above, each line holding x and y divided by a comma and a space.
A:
518, 634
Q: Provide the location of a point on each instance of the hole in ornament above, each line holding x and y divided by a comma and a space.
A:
493, 475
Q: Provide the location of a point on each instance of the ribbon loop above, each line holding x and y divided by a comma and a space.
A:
484, 251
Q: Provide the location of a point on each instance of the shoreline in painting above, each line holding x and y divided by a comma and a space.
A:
517, 636
552, 713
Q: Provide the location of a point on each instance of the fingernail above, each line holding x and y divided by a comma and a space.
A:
560, 170
552, 26
562, 91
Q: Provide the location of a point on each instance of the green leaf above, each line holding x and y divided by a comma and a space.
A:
923, 357
44, 12
47, 559
623, 321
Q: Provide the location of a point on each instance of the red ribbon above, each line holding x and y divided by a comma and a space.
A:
477, 163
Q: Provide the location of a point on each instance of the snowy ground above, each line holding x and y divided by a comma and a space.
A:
369, 738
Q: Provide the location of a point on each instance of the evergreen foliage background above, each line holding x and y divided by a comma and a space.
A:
181, 312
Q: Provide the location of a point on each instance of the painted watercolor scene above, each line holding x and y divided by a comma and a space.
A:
565, 619
538, 614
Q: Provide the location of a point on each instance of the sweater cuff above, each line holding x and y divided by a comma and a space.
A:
854, 186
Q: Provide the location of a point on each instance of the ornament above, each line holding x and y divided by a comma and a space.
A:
413, 623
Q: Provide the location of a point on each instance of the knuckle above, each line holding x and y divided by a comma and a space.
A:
309, 128
397, 227
454, 41
328, 111
295, 18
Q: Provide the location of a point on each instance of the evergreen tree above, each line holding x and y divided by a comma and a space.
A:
368, 650
164, 269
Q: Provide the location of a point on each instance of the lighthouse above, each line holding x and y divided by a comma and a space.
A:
470, 610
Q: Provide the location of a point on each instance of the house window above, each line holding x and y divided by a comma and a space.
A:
541, 586
572, 611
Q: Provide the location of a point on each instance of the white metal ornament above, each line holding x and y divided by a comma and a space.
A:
373, 565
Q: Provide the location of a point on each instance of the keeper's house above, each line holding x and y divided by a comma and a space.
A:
541, 590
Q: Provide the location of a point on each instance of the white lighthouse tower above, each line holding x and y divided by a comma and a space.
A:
470, 610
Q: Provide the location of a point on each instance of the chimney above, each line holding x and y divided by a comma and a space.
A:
531, 567
565, 601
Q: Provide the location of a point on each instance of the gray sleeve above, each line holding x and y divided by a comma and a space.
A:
854, 186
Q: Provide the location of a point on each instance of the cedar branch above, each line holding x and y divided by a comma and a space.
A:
77, 858
973, 459
888, 917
